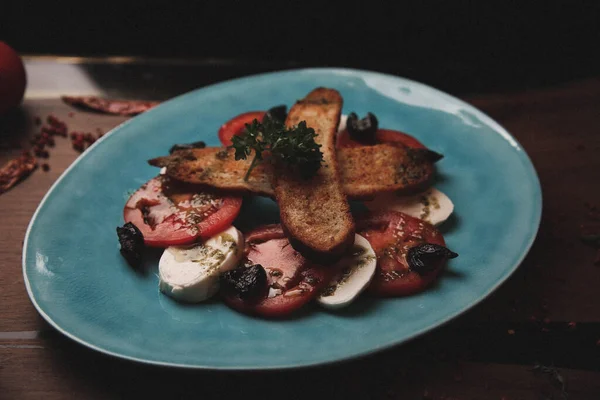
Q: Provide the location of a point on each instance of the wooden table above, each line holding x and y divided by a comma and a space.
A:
547, 314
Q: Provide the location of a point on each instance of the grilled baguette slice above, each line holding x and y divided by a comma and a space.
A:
365, 171
314, 212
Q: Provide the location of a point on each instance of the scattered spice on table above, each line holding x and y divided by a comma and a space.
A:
110, 106
45, 167
81, 141
16, 170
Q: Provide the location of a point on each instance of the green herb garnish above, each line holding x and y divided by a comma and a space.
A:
294, 147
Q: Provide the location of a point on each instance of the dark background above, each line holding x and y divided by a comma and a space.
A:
455, 45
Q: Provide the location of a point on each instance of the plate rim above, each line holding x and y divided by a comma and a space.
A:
303, 364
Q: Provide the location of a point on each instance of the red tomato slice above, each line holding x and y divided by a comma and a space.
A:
297, 279
381, 136
236, 125
170, 213
391, 234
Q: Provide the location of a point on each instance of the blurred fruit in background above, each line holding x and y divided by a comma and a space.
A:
12, 78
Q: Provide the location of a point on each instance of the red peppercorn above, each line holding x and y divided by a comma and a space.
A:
45, 167
52, 120
78, 146
71, 114
44, 154
51, 142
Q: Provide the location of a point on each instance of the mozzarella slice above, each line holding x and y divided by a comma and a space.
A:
431, 206
357, 270
191, 274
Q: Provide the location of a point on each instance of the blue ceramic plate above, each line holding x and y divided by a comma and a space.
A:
81, 285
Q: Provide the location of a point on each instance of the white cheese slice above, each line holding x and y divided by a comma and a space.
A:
191, 274
357, 269
431, 206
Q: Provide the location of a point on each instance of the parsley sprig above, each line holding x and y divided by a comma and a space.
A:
294, 147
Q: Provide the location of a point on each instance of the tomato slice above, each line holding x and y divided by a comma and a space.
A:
236, 125
391, 235
381, 136
293, 280
170, 213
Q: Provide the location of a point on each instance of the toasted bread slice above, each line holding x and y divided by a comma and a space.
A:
216, 167
314, 212
365, 171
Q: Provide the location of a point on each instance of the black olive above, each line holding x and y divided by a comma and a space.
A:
185, 146
247, 283
362, 130
424, 257
277, 113
132, 244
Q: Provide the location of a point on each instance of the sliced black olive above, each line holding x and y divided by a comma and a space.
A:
246, 283
278, 113
424, 257
362, 130
132, 244
185, 146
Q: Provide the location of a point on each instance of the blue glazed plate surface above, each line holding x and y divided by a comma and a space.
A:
79, 283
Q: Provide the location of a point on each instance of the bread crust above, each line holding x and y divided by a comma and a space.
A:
364, 171
314, 212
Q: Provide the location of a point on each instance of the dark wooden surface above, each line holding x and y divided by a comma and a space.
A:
488, 353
